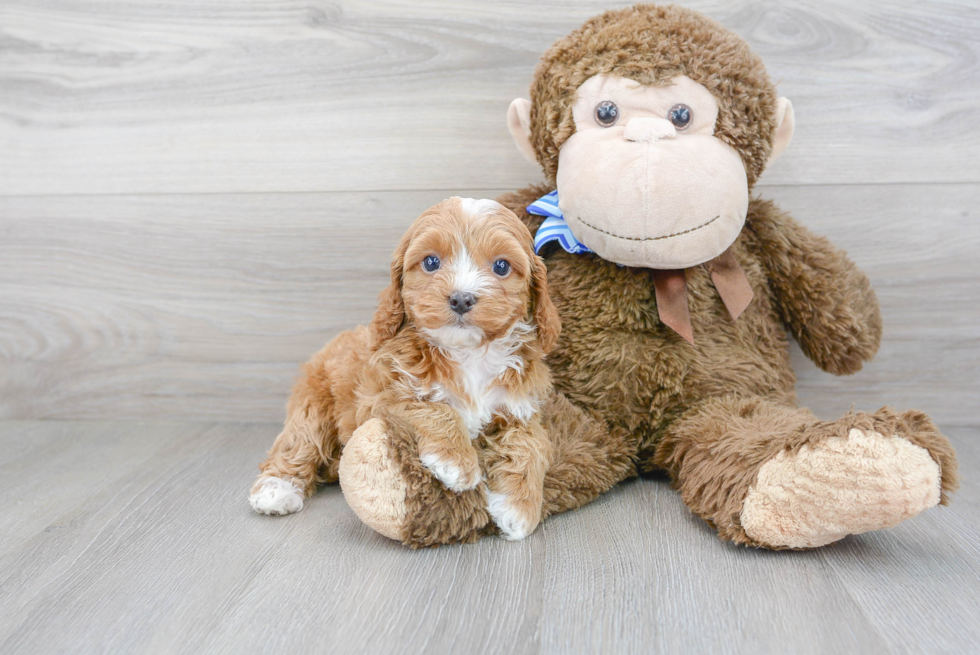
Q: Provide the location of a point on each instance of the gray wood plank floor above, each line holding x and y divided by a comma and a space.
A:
136, 537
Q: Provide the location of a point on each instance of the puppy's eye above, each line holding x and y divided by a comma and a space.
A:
431, 263
501, 267
606, 113
680, 115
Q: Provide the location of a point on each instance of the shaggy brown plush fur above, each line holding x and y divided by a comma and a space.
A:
710, 414
587, 460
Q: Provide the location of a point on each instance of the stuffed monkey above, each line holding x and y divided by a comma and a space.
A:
677, 291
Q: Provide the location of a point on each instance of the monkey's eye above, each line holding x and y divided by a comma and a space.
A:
680, 115
431, 264
501, 267
606, 113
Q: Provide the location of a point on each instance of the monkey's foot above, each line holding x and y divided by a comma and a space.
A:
387, 486
372, 482
839, 486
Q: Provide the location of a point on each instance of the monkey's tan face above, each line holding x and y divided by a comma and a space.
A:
643, 181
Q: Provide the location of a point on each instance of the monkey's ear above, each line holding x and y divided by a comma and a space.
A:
785, 122
519, 123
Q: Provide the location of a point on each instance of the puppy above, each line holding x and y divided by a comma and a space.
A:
456, 350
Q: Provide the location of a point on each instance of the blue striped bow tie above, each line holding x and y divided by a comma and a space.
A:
554, 227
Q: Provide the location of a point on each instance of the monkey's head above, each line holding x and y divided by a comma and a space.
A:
653, 123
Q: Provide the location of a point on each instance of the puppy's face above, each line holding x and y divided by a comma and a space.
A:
467, 274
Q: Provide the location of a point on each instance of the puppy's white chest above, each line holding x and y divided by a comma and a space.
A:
480, 370
478, 412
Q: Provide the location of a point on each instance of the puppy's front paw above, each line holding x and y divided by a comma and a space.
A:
516, 520
457, 473
275, 496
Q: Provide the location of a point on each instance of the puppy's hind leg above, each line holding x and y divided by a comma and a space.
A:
304, 455
307, 451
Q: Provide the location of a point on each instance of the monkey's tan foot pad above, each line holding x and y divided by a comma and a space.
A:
837, 487
371, 481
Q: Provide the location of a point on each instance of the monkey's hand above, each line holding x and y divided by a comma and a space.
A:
827, 303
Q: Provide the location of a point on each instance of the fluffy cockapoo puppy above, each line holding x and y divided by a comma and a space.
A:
453, 355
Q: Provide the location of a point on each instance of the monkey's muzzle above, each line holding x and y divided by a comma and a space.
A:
642, 196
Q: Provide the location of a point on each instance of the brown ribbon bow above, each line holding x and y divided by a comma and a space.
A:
671, 289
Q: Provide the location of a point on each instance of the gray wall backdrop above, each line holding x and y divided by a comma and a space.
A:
195, 195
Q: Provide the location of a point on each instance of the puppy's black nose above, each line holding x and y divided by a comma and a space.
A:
461, 302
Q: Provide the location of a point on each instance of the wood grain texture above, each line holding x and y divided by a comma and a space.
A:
205, 305
162, 554
209, 96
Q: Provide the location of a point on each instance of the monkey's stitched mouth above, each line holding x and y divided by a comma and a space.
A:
660, 238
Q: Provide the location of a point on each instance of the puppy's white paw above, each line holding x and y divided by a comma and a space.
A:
512, 523
451, 474
276, 496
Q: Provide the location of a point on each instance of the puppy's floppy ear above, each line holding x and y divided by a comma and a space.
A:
390, 315
545, 313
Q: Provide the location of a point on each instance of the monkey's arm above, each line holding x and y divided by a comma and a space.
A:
827, 303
